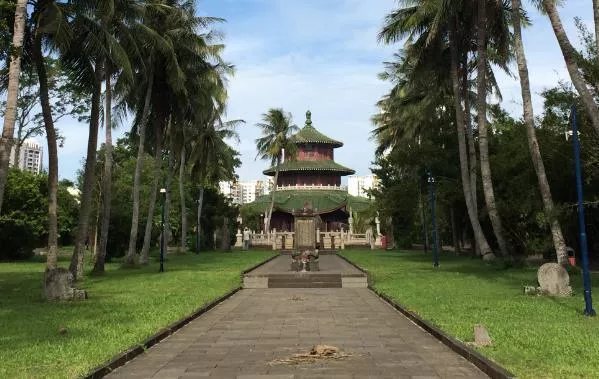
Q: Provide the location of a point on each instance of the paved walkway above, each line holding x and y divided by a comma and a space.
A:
245, 335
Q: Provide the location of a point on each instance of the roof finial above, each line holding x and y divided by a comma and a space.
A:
308, 118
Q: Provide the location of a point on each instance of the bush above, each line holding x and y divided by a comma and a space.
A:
24, 220
17, 238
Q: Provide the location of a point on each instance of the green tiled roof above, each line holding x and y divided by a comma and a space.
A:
309, 134
321, 165
322, 201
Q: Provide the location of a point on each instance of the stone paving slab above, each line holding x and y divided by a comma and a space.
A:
244, 336
328, 264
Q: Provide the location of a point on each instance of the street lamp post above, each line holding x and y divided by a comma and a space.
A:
163, 193
431, 189
586, 276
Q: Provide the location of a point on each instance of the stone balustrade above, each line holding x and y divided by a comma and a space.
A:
327, 240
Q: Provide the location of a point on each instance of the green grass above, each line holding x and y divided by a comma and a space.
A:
125, 306
532, 336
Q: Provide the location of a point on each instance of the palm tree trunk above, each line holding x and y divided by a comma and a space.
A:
182, 200
596, 19
570, 58
145, 250
76, 266
481, 240
472, 160
167, 204
12, 95
107, 182
199, 221
52, 255
483, 139
533, 144
454, 230
131, 251
272, 196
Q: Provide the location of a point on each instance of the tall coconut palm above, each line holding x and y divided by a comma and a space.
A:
121, 20
570, 54
175, 75
533, 143
107, 177
430, 25
51, 27
481, 105
10, 114
276, 128
596, 20
87, 65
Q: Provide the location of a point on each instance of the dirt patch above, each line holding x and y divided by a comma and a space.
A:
318, 353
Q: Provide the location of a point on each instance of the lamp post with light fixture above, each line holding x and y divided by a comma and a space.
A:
431, 189
163, 193
586, 276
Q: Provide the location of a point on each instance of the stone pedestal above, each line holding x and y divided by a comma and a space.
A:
327, 241
288, 241
238, 239
278, 243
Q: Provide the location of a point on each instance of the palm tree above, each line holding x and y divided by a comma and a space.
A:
481, 104
570, 55
433, 28
277, 128
87, 65
10, 114
533, 143
107, 177
49, 13
178, 75
121, 20
211, 159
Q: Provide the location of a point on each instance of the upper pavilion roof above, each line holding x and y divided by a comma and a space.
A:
309, 134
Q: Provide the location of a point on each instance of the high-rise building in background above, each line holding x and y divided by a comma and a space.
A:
359, 185
245, 191
30, 156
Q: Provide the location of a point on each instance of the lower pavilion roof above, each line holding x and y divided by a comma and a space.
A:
320, 165
322, 201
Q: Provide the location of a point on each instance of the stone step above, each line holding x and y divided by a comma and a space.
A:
304, 283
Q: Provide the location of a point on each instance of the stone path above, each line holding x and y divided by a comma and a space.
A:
245, 335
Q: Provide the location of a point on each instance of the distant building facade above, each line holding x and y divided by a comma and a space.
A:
30, 156
359, 185
246, 191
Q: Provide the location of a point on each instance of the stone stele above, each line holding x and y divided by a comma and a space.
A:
59, 286
554, 280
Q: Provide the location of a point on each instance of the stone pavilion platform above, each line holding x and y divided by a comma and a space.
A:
334, 273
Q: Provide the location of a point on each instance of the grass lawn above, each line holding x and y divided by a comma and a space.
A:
532, 336
125, 306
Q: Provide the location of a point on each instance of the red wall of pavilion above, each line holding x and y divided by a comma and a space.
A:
308, 178
318, 152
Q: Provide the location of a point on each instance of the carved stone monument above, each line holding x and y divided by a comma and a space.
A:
305, 256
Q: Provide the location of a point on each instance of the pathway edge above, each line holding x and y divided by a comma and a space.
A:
129, 354
487, 366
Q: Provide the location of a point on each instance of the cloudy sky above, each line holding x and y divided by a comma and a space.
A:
322, 55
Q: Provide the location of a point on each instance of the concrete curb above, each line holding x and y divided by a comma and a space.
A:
138, 349
487, 366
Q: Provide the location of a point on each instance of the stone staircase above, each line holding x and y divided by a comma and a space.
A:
304, 280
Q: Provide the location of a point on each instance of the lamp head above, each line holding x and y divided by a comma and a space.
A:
163, 190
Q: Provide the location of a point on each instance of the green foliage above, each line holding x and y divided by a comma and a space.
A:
127, 307
25, 214
532, 336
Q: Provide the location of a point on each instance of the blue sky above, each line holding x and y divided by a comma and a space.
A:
323, 55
